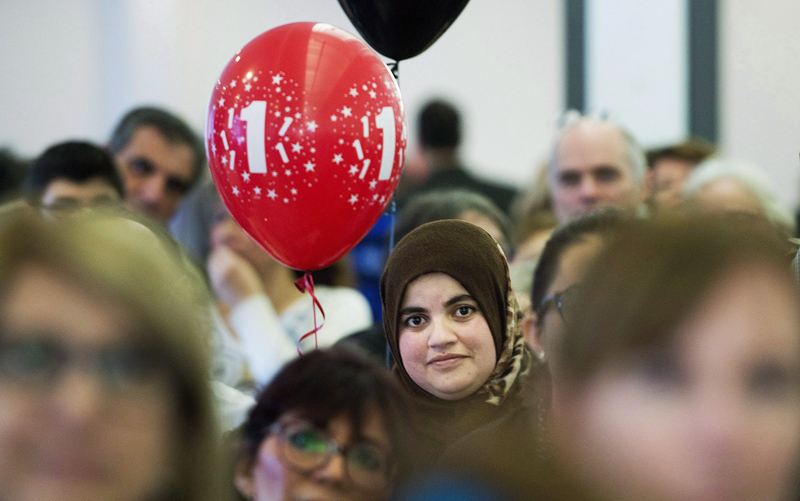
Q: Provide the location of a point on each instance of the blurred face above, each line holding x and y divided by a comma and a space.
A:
666, 177
715, 414
83, 414
157, 173
63, 196
592, 171
545, 332
291, 464
226, 232
446, 345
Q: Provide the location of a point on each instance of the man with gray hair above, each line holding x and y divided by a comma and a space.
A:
594, 163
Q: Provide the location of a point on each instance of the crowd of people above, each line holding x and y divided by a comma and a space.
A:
627, 328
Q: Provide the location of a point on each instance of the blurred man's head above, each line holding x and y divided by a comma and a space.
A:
594, 163
669, 167
72, 175
160, 159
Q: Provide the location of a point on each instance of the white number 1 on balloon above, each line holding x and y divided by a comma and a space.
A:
255, 115
385, 122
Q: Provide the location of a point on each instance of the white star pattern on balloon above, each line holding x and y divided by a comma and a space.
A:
354, 138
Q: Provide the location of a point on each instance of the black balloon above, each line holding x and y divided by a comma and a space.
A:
402, 29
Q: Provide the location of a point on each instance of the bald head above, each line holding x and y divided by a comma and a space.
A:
594, 164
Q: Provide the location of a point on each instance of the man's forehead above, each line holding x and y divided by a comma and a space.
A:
175, 157
590, 144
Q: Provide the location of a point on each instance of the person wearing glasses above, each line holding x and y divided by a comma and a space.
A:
680, 365
451, 322
71, 176
103, 372
330, 426
557, 276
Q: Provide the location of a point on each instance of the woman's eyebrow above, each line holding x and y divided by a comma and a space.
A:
457, 299
412, 310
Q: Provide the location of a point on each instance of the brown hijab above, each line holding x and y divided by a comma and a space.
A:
473, 258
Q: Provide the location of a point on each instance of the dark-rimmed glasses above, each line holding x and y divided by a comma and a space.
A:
564, 302
305, 448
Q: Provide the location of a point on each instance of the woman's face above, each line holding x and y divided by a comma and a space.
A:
226, 232
275, 477
715, 414
446, 345
83, 413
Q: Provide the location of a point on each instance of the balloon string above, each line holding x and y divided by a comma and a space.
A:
303, 284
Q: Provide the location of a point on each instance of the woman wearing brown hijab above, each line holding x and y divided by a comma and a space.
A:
452, 324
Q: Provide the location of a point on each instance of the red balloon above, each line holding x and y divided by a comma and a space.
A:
305, 138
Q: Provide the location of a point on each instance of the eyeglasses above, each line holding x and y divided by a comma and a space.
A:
37, 363
306, 448
564, 301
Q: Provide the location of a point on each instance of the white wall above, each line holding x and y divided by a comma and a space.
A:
71, 68
760, 87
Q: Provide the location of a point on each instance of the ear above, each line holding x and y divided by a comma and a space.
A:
243, 479
533, 334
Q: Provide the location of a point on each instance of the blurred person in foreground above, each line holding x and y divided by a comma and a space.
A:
678, 376
330, 426
594, 163
160, 159
668, 168
70, 176
103, 376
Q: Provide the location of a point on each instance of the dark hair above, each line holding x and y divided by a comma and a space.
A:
693, 150
449, 204
327, 383
77, 161
564, 237
174, 130
12, 174
439, 125
653, 274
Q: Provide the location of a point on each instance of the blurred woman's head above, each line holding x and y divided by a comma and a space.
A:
680, 369
331, 426
103, 372
449, 313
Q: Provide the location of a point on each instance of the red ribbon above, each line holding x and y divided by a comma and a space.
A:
303, 284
